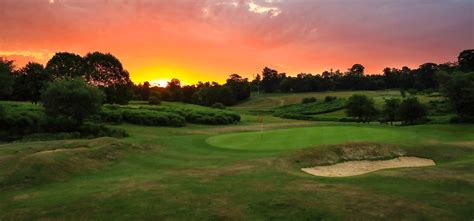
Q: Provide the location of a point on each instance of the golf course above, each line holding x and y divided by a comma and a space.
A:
249, 170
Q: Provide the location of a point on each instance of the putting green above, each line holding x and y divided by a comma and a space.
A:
297, 138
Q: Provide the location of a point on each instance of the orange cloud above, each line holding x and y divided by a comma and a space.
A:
211, 39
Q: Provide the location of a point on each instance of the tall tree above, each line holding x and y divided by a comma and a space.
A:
33, 78
239, 86
173, 89
106, 72
6, 78
357, 69
271, 80
466, 60
66, 65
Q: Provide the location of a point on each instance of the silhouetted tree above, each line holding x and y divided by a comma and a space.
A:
31, 80
173, 90
106, 72
6, 78
271, 80
425, 76
66, 65
357, 69
466, 60
239, 86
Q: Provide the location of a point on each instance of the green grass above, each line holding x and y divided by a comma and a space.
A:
297, 138
163, 173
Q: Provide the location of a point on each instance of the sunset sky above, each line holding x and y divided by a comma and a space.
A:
208, 40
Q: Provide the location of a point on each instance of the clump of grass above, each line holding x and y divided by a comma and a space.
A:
59, 160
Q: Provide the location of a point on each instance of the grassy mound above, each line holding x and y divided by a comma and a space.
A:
45, 162
332, 154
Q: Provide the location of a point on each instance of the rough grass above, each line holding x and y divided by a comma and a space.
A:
332, 154
58, 160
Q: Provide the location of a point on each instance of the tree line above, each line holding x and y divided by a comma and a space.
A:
107, 73
425, 77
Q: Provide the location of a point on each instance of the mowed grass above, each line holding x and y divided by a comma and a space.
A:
297, 138
163, 173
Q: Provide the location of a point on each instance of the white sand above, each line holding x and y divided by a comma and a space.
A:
353, 168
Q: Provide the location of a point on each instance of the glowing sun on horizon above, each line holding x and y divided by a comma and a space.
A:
159, 82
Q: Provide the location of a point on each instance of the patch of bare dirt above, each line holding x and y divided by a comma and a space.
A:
353, 168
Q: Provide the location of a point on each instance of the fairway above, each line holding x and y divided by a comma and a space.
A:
297, 138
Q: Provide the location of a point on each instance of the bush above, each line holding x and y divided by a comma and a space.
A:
73, 99
218, 106
307, 100
111, 115
16, 123
211, 118
330, 98
412, 111
361, 107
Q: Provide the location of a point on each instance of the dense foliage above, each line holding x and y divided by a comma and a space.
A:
235, 89
71, 99
98, 69
361, 107
176, 116
23, 121
6, 78
411, 110
459, 89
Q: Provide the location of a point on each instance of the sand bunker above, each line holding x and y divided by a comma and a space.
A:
353, 168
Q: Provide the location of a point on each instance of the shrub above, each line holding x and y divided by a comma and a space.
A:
390, 110
16, 123
307, 100
218, 106
153, 118
361, 107
411, 110
111, 115
73, 99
